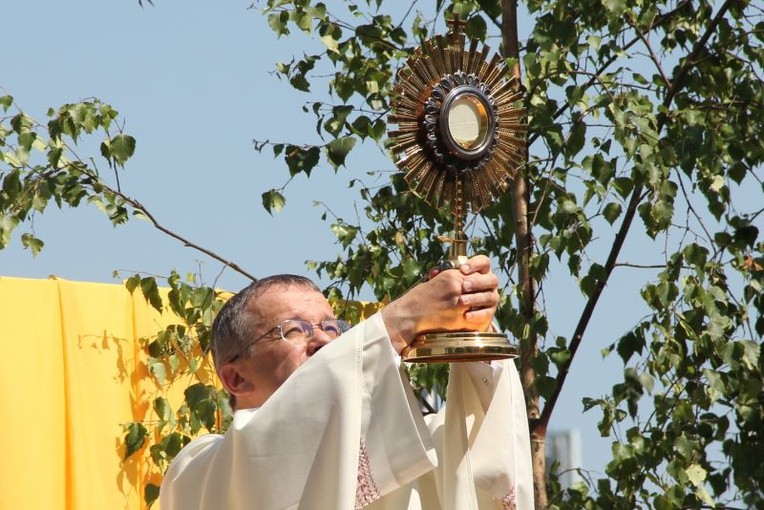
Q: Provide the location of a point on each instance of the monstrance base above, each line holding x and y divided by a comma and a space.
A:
459, 346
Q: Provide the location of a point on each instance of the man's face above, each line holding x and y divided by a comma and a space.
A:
273, 359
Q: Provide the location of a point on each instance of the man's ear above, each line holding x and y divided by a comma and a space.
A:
234, 381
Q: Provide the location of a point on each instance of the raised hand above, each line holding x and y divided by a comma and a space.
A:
452, 300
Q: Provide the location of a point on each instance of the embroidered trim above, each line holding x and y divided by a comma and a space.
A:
508, 501
366, 491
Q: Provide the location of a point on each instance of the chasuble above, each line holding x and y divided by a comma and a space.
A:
345, 432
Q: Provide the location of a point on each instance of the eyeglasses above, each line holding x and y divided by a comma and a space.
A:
297, 330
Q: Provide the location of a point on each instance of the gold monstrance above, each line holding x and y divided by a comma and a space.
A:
460, 139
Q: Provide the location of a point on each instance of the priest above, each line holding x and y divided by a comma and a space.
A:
326, 420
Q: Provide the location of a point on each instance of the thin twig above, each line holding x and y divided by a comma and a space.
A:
137, 206
653, 56
642, 266
692, 209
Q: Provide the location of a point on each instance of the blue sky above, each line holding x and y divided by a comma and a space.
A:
192, 81
192, 84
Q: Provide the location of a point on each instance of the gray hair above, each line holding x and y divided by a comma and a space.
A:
234, 327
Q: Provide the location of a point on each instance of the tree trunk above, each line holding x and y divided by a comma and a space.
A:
523, 237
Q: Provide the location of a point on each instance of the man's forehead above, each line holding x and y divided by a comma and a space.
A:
288, 301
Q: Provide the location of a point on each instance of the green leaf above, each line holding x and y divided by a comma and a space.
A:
336, 122
576, 139
331, 43
318, 11
201, 401
158, 370
32, 243
201, 297
746, 235
303, 20
337, 150
150, 492
6, 102
163, 409
278, 22
195, 394
360, 126
168, 447
751, 354
21, 123
377, 130
205, 413
477, 28
559, 356
647, 381
589, 282
301, 159
345, 233
612, 211
590, 403
173, 361
696, 474
122, 148
299, 82
151, 292
717, 184
412, 270
133, 282
663, 211
704, 496
629, 344
546, 385
623, 185
273, 201
135, 437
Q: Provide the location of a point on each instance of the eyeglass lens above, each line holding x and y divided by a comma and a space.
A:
294, 330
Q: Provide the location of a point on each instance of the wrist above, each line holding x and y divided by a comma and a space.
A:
400, 327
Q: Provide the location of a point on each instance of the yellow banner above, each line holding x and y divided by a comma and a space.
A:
72, 372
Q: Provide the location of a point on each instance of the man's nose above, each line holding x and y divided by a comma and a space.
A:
318, 340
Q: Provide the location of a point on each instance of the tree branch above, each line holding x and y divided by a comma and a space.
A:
689, 61
612, 59
142, 209
634, 201
641, 266
653, 56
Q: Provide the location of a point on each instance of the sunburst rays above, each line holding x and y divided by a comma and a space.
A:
444, 177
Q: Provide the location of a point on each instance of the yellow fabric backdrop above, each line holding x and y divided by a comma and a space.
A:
71, 374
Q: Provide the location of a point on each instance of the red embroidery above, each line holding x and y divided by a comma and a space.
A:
366, 491
508, 501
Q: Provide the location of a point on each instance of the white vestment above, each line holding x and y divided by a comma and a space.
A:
345, 431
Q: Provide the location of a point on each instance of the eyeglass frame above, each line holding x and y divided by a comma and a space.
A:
342, 327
